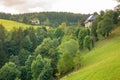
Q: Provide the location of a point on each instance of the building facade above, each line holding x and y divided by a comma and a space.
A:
89, 21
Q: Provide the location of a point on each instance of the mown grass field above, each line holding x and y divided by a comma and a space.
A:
9, 25
102, 62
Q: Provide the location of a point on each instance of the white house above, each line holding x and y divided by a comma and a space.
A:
89, 21
35, 21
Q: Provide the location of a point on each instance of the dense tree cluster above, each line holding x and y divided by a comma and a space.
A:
41, 53
104, 23
48, 18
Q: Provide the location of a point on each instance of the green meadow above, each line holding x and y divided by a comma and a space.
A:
9, 25
102, 62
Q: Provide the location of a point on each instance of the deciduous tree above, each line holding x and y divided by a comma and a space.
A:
41, 69
9, 72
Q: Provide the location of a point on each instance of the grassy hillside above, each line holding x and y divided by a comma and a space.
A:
9, 25
101, 63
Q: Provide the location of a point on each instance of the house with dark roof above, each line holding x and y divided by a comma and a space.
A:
89, 20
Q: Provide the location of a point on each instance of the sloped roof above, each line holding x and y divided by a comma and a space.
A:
90, 18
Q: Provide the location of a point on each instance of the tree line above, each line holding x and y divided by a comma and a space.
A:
52, 19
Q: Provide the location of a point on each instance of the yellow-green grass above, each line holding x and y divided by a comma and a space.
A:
101, 63
9, 25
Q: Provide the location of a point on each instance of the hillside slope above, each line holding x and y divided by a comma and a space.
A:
9, 25
101, 63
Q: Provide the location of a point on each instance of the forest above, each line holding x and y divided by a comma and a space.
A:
53, 19
50, 53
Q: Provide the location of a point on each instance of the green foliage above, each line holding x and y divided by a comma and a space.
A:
106, 25
69, 30
59, 33
9, 72
41, 33
47, 48
115, 17
101, 63
10, 25
17, 78
28, 63
26, 43
81, 36
87, 42
47, 18
66, 61
23, 55
41, 69
46, 22
70, 46
14, 59
3, 55
94, 27
33, 38
2, 33
76, 32
63, 25
77, 60
43, 52
23, 75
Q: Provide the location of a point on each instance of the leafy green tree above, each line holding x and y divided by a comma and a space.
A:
63, 25
77, 60
51, 33
9, 72
27, 44
25, 19
94, 27
23, 55
69, 30
102, 13
2, 33
28, 63
115, 17
41, 33
70, 46
45, 49
33, 38
81, 36
48, 49
59, 33
41, 69
68, 51
47, 22
17, 78
87, 42
14, 44
14, 59
65, 63
23, 74
76, 32
105, 26
3, 55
